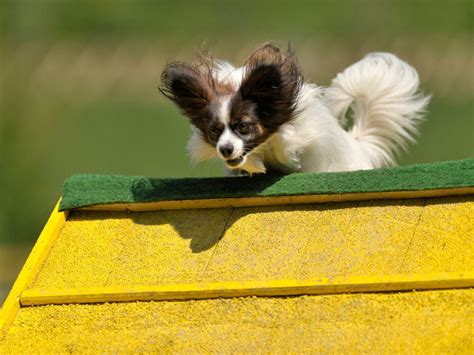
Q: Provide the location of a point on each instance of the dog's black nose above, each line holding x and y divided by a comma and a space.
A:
226, 150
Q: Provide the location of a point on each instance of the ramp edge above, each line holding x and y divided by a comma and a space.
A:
276, 200
11, 306
273, 288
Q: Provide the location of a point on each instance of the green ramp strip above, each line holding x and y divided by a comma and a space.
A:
87, 190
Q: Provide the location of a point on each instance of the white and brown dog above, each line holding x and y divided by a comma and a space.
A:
263, 116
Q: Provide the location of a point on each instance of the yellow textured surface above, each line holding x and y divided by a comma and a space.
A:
315, 240
33, 264
299, 242
97, 249
423, 322
444, 230
261, 288
116, 248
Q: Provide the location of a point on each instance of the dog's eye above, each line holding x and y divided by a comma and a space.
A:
216, 131
243, 128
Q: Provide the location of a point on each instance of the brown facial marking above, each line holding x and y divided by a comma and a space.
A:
267, 96
196, 93
265, 100
272, 83
212, 132
246, 124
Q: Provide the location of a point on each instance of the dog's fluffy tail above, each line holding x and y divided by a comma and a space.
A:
383, 93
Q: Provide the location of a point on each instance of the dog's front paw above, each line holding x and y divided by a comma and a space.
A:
254, 165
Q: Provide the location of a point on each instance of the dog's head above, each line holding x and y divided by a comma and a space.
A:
236, 118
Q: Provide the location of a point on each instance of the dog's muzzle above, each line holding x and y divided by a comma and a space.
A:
233, 163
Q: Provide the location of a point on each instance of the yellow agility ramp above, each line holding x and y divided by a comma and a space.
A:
387, 269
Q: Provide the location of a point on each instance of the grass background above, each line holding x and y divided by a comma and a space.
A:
78, 84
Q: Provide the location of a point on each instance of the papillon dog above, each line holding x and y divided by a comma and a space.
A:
264, 117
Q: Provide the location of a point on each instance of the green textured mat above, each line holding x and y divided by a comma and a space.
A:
87, 190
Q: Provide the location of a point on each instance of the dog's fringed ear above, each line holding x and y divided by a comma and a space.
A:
262, 86
187, 87
272, 82
267, 53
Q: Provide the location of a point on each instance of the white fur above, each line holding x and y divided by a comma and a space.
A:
198, 149
227, 73
224, 109
382, 92
228, 137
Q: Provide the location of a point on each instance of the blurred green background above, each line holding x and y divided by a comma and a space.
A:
78, 84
